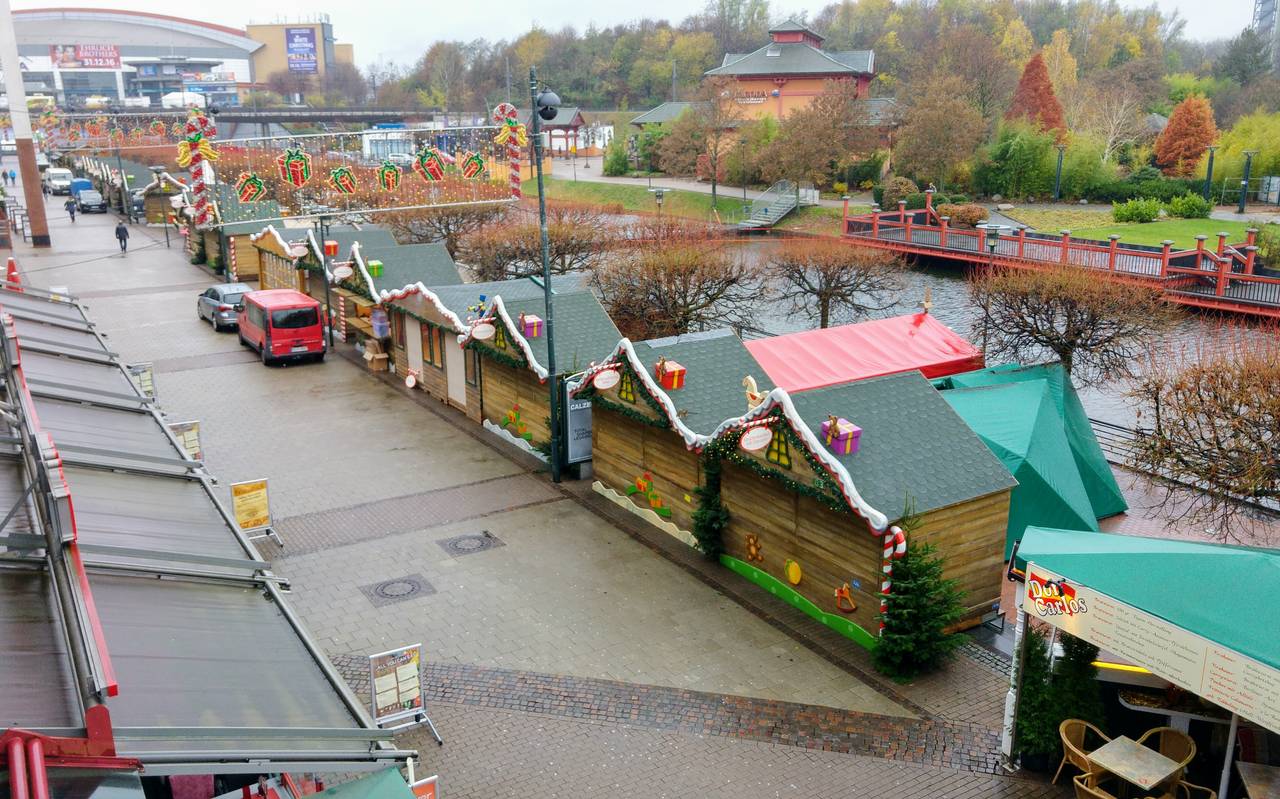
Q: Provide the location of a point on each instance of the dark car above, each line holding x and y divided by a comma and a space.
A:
89, 200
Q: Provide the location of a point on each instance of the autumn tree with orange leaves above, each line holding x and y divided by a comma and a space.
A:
1183, 142
1034, 100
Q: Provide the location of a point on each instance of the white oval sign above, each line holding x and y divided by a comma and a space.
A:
483, 331
298, 250
606, 380
342, 272
756, 439
410, 380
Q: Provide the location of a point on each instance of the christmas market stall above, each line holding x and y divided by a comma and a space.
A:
832, 355
654, 402
511, 338
293, 257
157, 198
426, 322
1032, 419
1186, 633
368, 273
822, 487
228, 239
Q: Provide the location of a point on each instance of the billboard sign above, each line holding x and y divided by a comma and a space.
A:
300, 50
84, 56
396, 677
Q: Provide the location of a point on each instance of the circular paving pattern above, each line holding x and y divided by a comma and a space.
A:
397, 589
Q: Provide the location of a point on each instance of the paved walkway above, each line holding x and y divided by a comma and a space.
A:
569, 655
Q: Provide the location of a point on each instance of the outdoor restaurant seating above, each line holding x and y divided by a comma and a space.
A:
1075, 734
1089, 785
1173, 744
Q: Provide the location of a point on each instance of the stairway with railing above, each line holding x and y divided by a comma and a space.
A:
778, 201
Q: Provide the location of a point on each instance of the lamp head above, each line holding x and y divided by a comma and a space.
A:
548, 102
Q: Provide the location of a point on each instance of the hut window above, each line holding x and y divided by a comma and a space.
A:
627, 388
397, 329
471, 366
499, 337
779, 451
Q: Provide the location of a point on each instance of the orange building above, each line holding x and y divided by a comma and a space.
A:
790, 71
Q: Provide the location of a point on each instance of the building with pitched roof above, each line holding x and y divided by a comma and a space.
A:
654, 402
790, 70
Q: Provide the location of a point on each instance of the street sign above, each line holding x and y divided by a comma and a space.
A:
188, 435
578, 438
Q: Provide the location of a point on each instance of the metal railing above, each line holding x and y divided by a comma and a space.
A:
772, 205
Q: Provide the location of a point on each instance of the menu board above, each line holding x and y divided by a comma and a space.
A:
396, 677
1222, 676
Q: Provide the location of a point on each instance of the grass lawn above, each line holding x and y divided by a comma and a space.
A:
1098, 225
675, 202
819, 219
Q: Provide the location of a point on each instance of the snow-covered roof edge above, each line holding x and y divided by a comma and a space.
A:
779, 398
418, 288
358, 259
625, 348
497, 308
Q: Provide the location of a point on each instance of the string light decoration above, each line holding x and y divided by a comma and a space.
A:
512, 135
342, 180
389, 174
193, 151
250, 188
294, 166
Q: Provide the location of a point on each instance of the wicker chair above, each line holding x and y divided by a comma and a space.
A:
1074, 732
1088, 786
1185, 790
1173, 744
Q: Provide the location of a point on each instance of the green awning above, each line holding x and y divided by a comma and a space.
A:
387, 784
1020, 424
1099, 481
1229, 595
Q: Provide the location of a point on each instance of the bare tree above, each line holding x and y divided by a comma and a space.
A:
577, 238
1097, 326
1214, 418
679, 288
448, 224
941, 129
287, 84
828, 280
718, 114
1113, 114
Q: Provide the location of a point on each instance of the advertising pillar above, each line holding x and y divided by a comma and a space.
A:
21, 120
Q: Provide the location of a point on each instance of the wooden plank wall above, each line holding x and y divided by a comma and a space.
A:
506, 386
248, 264
831, 548
623, 449
971, 538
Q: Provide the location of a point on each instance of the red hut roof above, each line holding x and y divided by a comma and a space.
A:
817, 358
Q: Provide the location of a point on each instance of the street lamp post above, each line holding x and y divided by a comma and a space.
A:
322, 227
657, 196
1208, 172
1057, 178
544, 105
1244, 181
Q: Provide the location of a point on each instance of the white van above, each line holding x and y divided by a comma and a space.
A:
58, 180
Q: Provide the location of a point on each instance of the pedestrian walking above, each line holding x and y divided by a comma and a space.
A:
70, 205
122, 236
13, 177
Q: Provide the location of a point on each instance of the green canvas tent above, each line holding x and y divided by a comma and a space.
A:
386, 784
1019, 422
1099, 481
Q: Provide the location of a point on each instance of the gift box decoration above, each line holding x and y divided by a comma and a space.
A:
841, 435
375, 267
670, 374
530, 325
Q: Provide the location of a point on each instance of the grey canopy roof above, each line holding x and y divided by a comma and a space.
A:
156, 604
796, 58
662, 114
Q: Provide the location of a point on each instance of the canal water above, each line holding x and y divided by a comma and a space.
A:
950, 297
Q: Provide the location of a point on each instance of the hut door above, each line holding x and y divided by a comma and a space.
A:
413, 343
456, 371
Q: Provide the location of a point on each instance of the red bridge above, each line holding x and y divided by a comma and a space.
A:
1222, 277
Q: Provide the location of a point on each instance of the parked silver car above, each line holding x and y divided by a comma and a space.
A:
218, 304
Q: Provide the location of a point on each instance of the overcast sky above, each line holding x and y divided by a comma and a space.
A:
400, 31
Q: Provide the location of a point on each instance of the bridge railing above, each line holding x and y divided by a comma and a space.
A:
1227, 270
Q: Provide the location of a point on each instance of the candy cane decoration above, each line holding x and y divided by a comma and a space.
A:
895, 546
193, 151
512, 134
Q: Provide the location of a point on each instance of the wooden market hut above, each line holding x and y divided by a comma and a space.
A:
230, 240
426, 322
292, 257
654, 402
379, 272
819, 527
512, 367
157, 197
834, 355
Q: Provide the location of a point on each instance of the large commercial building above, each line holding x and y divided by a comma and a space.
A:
80, 56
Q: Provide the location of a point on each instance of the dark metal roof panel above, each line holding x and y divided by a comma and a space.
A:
74, 424
74, 372
39, 306
145, 512
35, 671
190, 654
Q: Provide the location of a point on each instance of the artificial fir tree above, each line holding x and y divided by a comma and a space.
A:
920, 607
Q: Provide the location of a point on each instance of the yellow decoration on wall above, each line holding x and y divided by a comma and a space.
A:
792, 571
754, 549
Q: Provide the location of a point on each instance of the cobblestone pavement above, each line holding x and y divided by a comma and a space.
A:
566, 657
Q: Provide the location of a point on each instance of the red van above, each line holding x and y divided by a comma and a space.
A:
281, 324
